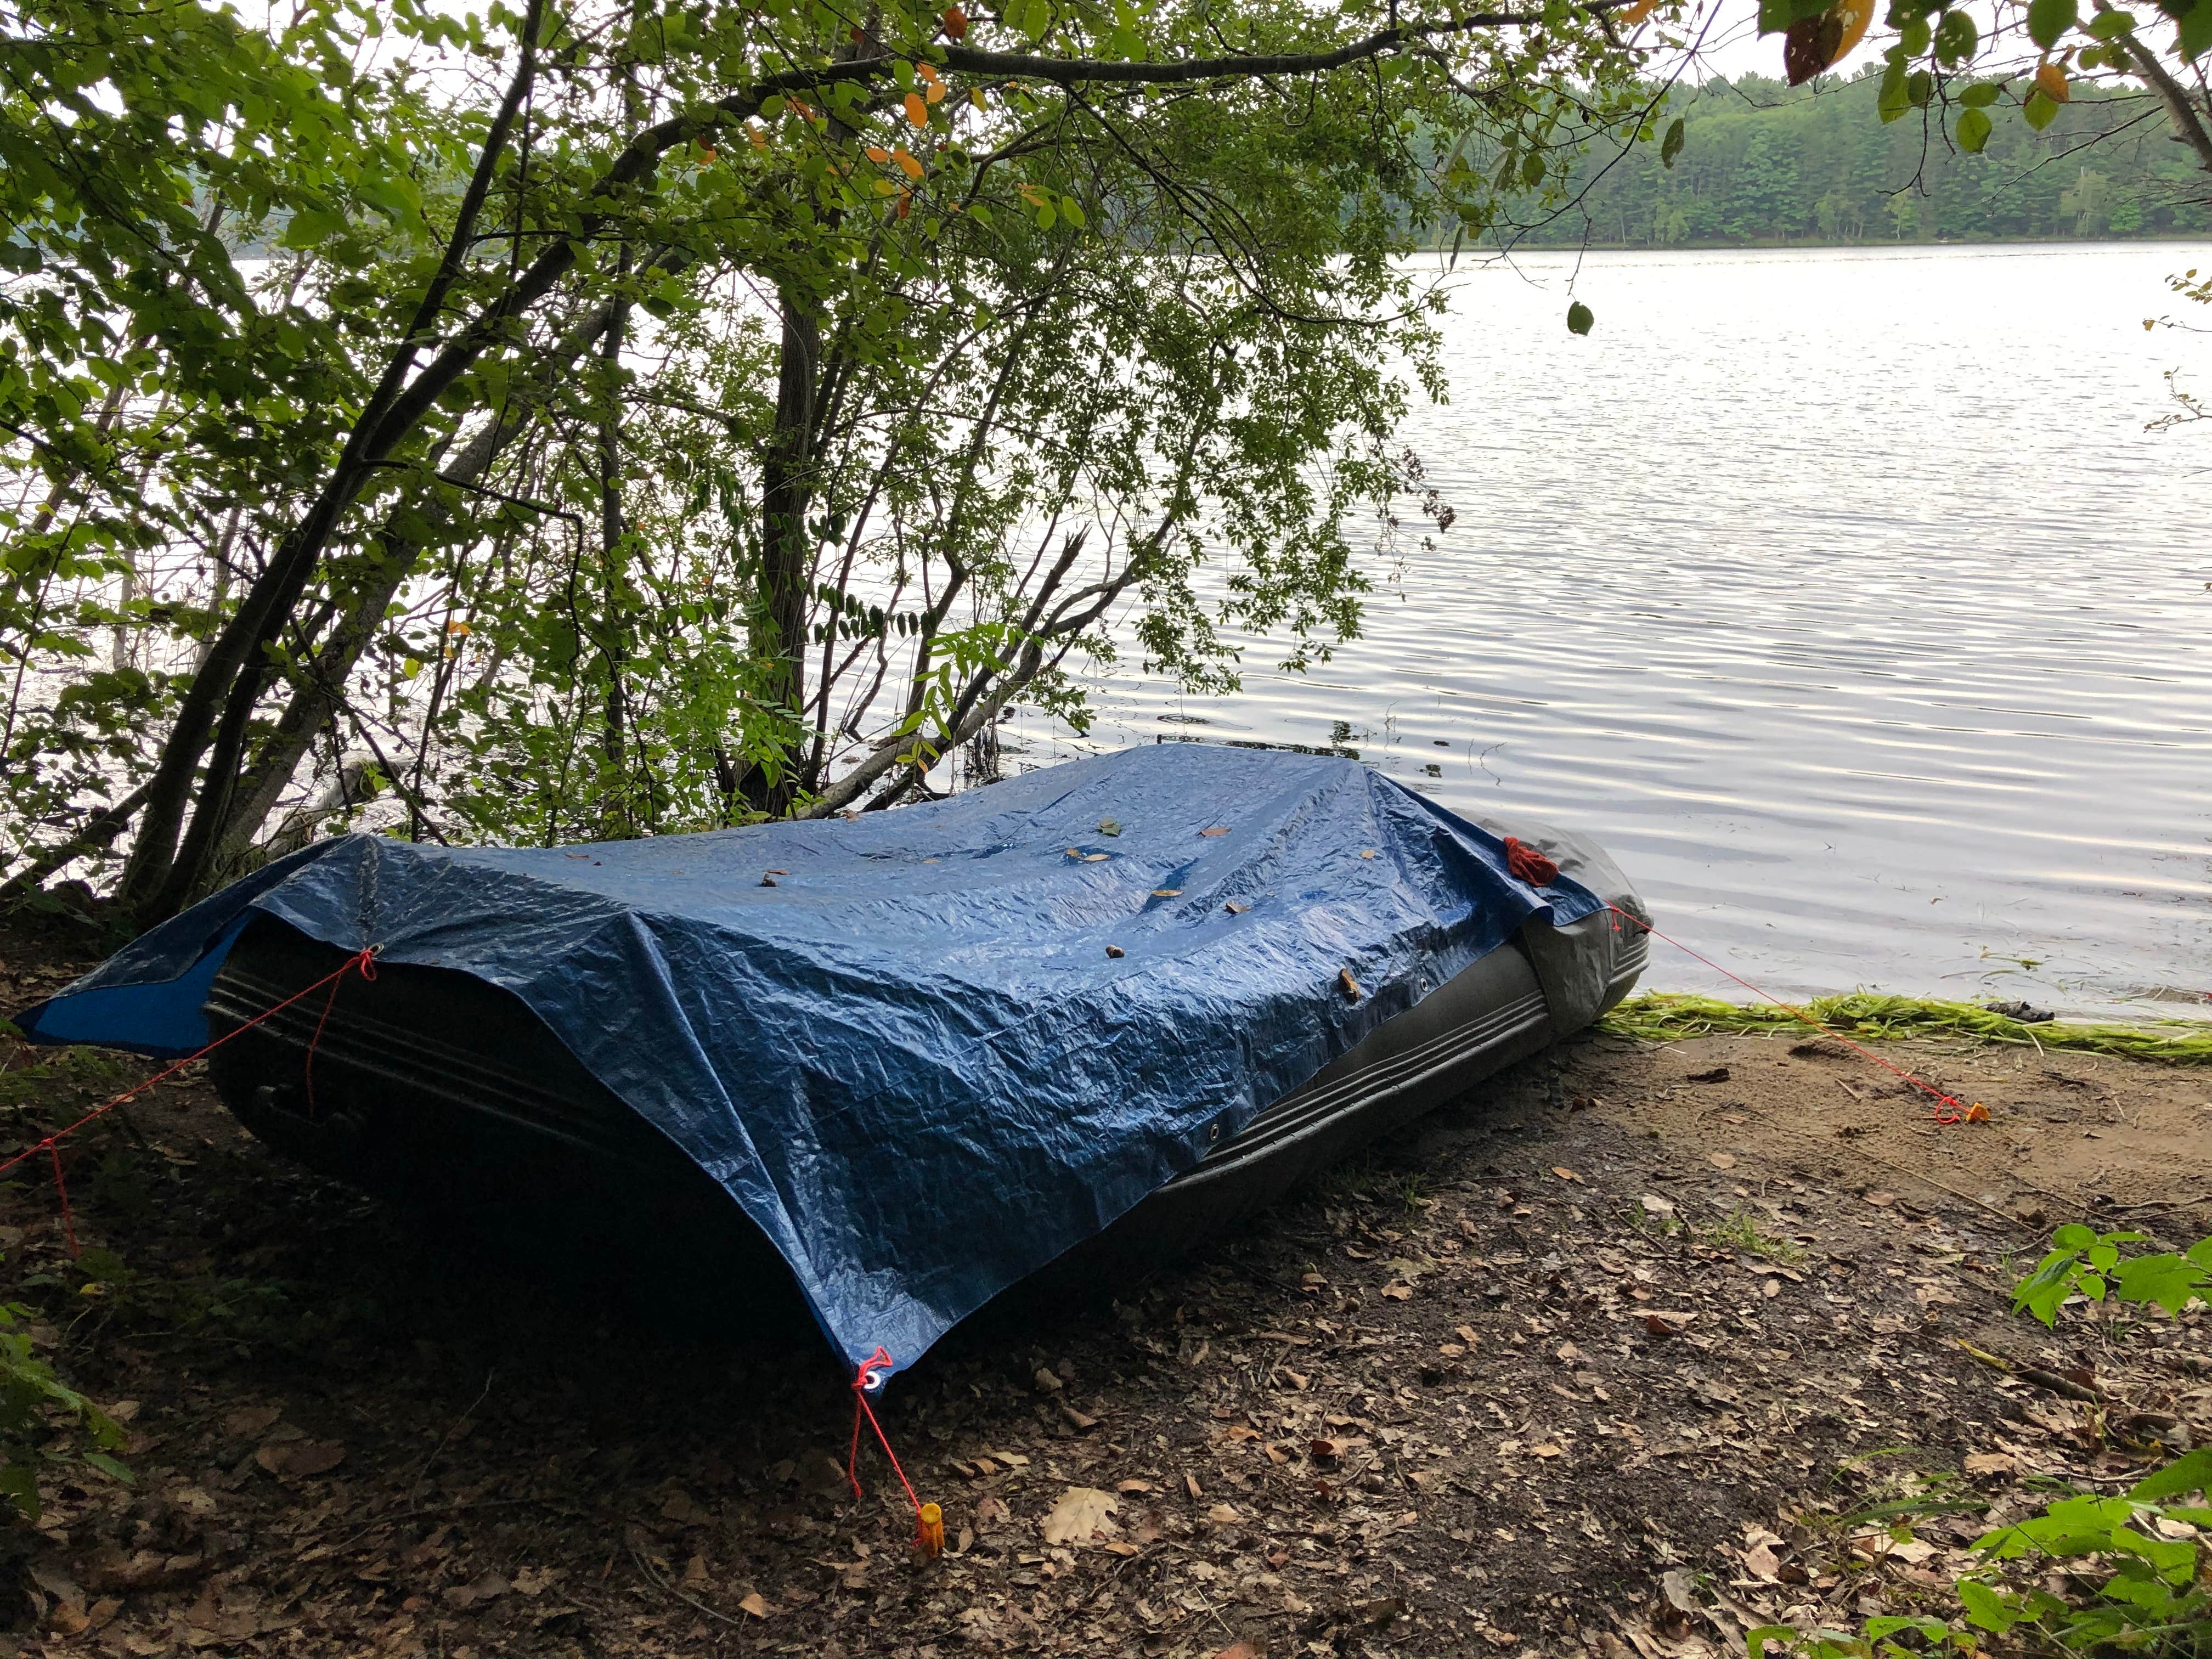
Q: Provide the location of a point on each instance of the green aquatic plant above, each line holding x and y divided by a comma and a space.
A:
1670, 1017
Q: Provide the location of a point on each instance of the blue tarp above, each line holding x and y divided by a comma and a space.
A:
911, 1060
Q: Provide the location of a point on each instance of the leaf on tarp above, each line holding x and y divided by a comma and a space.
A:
1234, 907
1217, 829
1080, 1512
1351, 985
1109, 826
1167, 892
1116, 951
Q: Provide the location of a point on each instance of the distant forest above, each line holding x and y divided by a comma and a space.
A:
1768, 164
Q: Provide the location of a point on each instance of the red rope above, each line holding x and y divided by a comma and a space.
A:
1957, 1108
365, 960
867, 1379
367, 965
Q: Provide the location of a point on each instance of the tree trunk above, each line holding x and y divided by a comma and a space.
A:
786, 545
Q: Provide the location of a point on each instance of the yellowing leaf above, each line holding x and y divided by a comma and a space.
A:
2051, 81
927, 72
908, 165
876, 154
975, 97
917, 112
1637, 12
935, 93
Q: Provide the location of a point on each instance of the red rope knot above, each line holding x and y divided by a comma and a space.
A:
1528, 864
875, 1370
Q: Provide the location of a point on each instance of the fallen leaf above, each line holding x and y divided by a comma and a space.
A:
1217, 829
1761, 1563
1109, 826
1988, 1463
1190, 1485
1351, 985
1655, 1205
754, 1604
1167, 892
1722, 1160
1397, 1292
1134, 1486
252, 1422
1565, 1173
1081, 1511
1223, 1515
1548, 1448
1238, 1650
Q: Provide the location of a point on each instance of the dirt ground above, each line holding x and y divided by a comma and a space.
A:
1613, 1355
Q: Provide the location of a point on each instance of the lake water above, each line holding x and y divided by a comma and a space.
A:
1842, 593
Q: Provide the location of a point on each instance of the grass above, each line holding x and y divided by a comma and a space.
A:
1740, 1231
1669, 1016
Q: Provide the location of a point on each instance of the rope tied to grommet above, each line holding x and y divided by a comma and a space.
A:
928, 1518
364, 960
1949, 1108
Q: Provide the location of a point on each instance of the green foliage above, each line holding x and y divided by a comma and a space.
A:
642, 419
1836, 162
1669, 1016
2084, 1262
44, 1423
2129, 1567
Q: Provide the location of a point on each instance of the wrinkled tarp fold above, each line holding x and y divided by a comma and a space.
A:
910, 1059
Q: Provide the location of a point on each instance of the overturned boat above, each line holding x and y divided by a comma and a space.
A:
901, 1061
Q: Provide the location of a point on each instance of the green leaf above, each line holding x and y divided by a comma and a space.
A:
2192, 1471
1670, 147
2049, 19
1071, 210
312, 225
1981, 95
2197, 29
2168, 1280
1973, 131
21, 1487
1891, 101
1955, 39
1580, 318
109, 1466
2041, 110
1919, 88
2112, 25
1986, 1608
